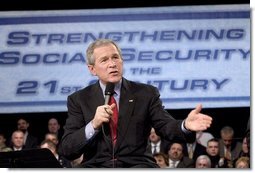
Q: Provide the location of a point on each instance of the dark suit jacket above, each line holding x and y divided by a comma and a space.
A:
31, 142
236, 148
164, 146
199, 150
186, 162
140, 109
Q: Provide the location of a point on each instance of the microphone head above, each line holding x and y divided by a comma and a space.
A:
109, 90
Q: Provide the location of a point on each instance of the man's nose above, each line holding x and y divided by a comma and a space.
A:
112, 62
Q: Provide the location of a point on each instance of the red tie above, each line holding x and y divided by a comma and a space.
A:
114, 121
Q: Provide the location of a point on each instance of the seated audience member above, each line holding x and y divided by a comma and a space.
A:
17, 140
52, 137
156, 144
229, 148
54, 127
212, 150
52, 147
3, 146
242, 162
177, 158
203, 161
192, 149
161, 160
245, 150
29, 140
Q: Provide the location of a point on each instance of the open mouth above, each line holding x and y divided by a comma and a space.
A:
114, 72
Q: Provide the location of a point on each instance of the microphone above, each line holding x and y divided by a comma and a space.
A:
109, 91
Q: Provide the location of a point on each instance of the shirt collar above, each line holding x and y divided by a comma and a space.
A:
116, 87
156, 144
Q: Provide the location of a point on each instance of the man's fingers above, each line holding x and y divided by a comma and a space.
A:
198, 108
112, 106
108, 110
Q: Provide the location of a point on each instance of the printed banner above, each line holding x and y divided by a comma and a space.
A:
191, 54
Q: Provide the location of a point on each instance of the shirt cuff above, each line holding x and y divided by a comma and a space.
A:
90, 131
184, 129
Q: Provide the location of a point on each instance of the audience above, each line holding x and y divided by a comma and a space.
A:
161, 160
192, 149
155, 144
229, 148
3, 146
54, 127
226, 152
203, 161
52, 147
17, 140
212, 151
242, 162
52, 137
177, 158
29, 140
245, 149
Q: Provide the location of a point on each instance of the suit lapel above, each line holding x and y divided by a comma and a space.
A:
93, 100
126, 107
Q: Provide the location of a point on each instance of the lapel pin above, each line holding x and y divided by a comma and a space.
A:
131, 101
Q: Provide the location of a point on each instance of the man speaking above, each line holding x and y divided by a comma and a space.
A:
110, 121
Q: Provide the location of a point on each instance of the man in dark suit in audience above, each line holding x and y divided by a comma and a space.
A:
177, 158
193, 149
156, 144
228, 146
29, 140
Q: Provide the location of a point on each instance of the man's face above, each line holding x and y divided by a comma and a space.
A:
22, 125
108, 64
2, 140
227, 139
212, 148
175, 152
153, 136
53, 126
52, 138
18, 139
202, 163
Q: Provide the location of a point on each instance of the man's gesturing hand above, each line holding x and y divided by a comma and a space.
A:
197, 121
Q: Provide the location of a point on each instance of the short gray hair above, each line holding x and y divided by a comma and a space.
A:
204, 157
98, 43
227, 130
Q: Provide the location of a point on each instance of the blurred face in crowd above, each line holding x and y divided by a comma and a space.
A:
175, 152
212, 148
53, 125
52, 137
242, 164
153, 136
160, 161
202, 163
22, 125
108, 64
18, 139
227, 139
2, 140
50, 147
245, 146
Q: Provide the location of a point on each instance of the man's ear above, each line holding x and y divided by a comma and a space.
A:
92, 70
